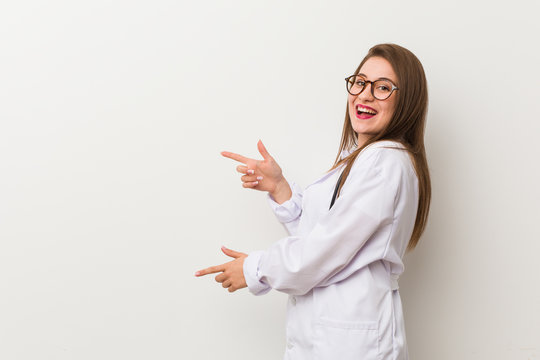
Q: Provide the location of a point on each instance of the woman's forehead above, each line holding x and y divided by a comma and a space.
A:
377, 67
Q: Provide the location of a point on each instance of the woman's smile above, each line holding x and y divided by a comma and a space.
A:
365, 112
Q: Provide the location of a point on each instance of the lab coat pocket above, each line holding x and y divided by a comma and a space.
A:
346, 340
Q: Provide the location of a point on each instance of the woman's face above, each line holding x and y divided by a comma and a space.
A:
364, 124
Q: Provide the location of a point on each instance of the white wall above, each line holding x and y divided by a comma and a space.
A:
113, 190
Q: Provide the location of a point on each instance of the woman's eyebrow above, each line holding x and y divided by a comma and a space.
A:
381, 78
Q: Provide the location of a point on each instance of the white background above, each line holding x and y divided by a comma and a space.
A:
113, 191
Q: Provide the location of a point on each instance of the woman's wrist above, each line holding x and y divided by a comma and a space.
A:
282, 192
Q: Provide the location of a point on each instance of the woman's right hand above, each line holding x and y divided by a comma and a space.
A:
263, 175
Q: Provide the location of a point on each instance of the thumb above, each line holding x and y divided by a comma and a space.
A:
231, 253
263, 151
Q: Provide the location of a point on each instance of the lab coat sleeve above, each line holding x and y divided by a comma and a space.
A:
296, 264
289, 212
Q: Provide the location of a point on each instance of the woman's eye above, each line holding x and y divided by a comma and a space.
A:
360, 83
384, 88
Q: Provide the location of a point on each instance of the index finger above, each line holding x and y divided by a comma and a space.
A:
236, 157
210, 270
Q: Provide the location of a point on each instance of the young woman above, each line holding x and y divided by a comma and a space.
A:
348, 230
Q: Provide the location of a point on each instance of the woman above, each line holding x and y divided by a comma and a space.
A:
348, 230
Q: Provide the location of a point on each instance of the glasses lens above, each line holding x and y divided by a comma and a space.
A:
382, 89
355, 85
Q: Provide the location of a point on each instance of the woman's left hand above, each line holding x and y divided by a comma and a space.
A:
232, 276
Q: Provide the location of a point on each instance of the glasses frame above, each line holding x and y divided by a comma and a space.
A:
394, 87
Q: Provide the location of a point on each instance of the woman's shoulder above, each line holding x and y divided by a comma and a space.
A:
388, 147
387, 155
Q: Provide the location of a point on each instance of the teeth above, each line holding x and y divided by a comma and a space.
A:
362, 109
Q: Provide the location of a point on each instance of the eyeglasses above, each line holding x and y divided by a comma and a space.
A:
380, 89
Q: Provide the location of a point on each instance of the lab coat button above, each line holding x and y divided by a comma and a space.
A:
290, 345
293, 300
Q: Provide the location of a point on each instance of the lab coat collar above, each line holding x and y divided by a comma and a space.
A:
380, 143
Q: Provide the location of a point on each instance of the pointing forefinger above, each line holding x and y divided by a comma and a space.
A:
234, 156
210, 270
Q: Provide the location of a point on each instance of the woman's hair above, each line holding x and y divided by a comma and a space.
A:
406, 125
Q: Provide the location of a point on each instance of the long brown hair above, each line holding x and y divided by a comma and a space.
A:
406, 126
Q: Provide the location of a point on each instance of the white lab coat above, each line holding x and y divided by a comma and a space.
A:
341, 266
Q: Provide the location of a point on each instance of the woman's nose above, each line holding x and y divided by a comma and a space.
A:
366, 93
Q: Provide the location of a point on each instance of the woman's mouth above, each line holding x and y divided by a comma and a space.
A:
365, 112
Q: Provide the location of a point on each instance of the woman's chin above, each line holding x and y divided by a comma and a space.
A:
363, 130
